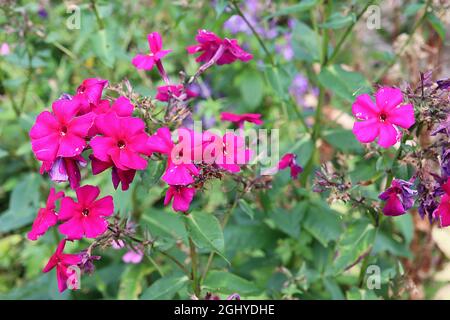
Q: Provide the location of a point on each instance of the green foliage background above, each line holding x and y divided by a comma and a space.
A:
286, 242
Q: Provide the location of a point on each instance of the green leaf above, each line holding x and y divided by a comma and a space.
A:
153, 173
131, 281
337, 21
306, 43
413, 8
406, 226
246, 208
303, 6
322, 223
251, 85
356, 241
166, 227
333, 288
344, 84
205, 230
228, 283
289, 221
277, 79
437, 25
343, 140
23, 204
165, 288
102, 45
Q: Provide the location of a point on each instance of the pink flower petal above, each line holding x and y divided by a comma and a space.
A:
143, 62
402, 116
363, 108
366, 131
388, 98
388, 135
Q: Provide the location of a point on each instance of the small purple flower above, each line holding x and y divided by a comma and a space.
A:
87, 262
42, 13
399, 197
444, 84
443, 127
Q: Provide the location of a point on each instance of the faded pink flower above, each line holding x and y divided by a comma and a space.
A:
65, 169
46, 217
133, 256
124, 177
239, 119
89, 94
217, 50
288, 160
61, 133
381, 119
164, 93
443, 210
123, 141
4, 49
62, 262
182, 197
87, 216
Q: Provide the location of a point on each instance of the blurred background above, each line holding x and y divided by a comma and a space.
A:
282, 243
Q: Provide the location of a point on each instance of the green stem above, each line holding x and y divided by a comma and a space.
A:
101, 24
255, 33
347, 33
175, 260
225, 220
194, 270
402, 49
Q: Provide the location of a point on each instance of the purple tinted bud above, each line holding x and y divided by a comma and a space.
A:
87, 262
444, 84
399, 197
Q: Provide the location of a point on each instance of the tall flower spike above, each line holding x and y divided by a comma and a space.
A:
382, 118
147, 61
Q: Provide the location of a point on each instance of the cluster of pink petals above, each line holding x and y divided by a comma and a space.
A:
63, 261
381, 119
227, 152
224, 51
46, 217
288, 160
239, 119
87, 217
164, 93
58, 138
442, 212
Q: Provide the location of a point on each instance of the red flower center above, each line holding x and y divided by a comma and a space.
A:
121, 144
85, 212
63, 131
383, 117
81, 89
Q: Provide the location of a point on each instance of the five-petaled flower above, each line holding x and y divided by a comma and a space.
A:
87, 216
381, 118
61, 134
63, 263
147, 61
